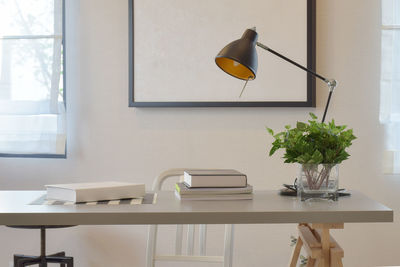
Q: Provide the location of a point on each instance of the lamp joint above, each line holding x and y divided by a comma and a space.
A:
332, 83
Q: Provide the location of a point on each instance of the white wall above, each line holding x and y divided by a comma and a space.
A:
108, 140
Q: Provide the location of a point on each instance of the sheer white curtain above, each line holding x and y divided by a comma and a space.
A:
32, 111
390, 83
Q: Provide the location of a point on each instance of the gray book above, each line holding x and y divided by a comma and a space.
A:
182, 189
214, 178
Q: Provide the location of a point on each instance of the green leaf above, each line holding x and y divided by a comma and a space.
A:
313, 116
301, 126
317, 157
273, 150
278, 135
313, 142
271, 132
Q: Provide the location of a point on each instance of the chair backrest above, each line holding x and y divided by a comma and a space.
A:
157, 186
189, 256
158, 182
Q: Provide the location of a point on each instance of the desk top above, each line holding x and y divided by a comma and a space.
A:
266, 207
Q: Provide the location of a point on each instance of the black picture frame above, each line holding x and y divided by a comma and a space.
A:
311, 64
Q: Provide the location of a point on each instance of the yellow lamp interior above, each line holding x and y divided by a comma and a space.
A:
234, 68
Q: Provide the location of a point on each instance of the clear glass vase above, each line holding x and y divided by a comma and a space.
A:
318, 181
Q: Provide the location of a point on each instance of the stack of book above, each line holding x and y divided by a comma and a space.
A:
213, 185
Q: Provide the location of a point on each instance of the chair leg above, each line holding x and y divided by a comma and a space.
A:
151, 246
21, 256
203, 239
28, 262
228, 245
178, 239
58, 254
23, 260
18, 258
190, 239
69, 261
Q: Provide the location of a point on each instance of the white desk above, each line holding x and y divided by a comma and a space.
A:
266, 207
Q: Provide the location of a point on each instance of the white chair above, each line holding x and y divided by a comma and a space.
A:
189, 256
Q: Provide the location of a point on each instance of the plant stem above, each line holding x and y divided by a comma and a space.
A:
326, 170
319, 177
323, 176
309, 178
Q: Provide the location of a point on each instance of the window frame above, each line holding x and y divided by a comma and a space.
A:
390, 157
43, 155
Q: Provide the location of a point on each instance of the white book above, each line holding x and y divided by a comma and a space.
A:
84, 192
214, 178
215, 197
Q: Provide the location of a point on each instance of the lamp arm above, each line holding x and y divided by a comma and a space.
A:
291, 61
330, 82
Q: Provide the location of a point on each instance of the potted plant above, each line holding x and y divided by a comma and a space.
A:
318, 147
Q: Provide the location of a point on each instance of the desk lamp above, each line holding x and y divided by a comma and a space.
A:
239, 59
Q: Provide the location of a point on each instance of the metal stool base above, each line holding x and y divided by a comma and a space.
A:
42, 260
25, 260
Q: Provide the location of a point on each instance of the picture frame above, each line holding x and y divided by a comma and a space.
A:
157, 85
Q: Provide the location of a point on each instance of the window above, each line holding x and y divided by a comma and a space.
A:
32, 79
390, 83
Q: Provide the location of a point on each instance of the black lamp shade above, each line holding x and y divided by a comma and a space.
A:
239, 58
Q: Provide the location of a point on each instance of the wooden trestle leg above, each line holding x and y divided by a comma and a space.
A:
322, 250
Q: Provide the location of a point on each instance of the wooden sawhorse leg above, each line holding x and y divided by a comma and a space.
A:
322, 250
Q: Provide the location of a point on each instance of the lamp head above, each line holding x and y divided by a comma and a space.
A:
239, 58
